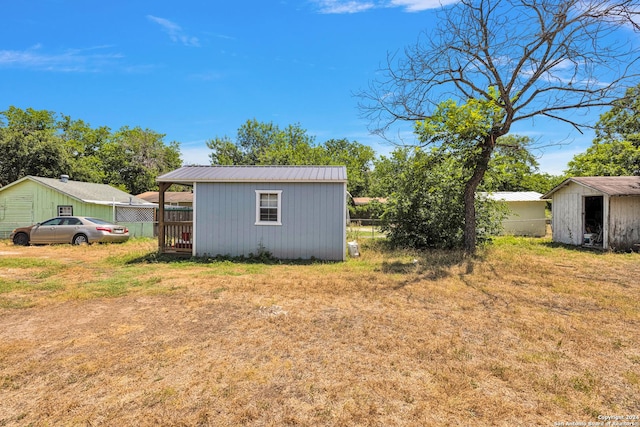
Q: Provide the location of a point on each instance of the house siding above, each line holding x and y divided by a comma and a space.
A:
313, 216
526, 219
28, 202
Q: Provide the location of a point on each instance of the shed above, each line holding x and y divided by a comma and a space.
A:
292, 212
526, 215
601, 211
34, 199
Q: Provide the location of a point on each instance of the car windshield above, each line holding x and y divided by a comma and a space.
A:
98, 221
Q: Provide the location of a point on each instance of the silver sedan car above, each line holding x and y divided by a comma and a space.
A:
76, 230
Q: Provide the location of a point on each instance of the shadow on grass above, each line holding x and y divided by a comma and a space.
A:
266, 259
431, 264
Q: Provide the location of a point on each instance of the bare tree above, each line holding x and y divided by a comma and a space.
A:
532, 58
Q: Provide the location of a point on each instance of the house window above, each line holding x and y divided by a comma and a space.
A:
268, 207
64, 210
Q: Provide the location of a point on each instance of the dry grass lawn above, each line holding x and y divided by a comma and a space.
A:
527, 333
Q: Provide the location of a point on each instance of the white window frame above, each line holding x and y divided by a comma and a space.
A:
279, 207
65, 210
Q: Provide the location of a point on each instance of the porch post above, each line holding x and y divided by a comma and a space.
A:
164, 186
606, 221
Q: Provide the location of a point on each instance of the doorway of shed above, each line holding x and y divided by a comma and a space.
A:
593, 210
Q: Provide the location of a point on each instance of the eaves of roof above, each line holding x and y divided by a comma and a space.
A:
192, 174
610, 185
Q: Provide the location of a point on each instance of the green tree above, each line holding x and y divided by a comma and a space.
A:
420, 211
357, 158
386, 170
616, 147
510, 166
513, 168
291, 146
259, 143
134, 158
38, 143
514, 59
266, 144
83, 145
614, 158
622, 121
30, 146
225, 152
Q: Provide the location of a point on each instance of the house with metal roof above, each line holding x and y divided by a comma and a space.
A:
600, 211
34, 199
526, 212
291, 212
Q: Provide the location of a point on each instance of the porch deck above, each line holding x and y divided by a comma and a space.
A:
177, 237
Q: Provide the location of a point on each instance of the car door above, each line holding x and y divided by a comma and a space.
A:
66, 230
45, 232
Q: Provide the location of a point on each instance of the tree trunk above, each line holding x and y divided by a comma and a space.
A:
470, 187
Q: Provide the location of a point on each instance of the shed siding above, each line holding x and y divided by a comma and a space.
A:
624, 222
565, 218
313, 216
526, 219
567, 212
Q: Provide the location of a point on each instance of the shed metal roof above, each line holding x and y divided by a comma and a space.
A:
191, 174
610, 185
516, 196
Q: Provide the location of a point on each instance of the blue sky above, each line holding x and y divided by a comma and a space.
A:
197, 70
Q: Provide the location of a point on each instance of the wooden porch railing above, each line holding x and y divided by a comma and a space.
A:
175, 228
178, 237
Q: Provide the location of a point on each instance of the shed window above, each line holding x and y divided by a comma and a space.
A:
64, 210
268, 207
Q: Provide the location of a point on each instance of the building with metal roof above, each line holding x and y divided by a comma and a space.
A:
189, 174
291, 212
516, 196
526, 216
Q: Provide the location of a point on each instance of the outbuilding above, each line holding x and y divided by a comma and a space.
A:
526, 216
290, 212
601, 211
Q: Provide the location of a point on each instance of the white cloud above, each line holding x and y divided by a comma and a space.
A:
342, 7
556, 162
355, 6
420, 5
93, 59
175, 31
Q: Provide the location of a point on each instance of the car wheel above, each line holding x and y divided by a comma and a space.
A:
80, 239
21, 239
